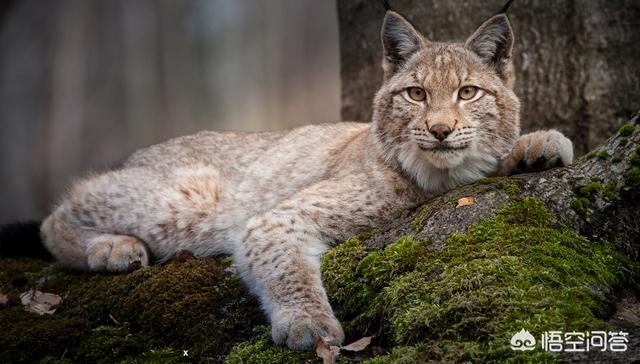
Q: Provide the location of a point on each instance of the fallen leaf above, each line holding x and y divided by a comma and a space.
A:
358, 345
327, 352
466, 201
39, 302
4, 300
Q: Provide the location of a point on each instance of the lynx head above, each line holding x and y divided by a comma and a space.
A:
446, 112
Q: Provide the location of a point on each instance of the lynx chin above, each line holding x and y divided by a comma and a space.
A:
445, 115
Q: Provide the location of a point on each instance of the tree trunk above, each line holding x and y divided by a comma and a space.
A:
577, 66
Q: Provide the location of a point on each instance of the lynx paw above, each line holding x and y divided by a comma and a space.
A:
116, 253
299, 329
541, 150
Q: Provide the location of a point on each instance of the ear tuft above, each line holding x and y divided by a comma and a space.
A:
493, 42
400, 41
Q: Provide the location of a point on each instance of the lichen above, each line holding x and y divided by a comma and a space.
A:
424, 212
626, 130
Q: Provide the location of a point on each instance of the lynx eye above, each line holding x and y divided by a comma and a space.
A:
416, 93
467, 92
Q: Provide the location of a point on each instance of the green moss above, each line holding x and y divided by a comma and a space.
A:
262, 351
512, 188
519, 269
610, 191
626, 130
197, 305
448, 351
589, 155
507, 185
580, 205
623, 142
27, 337
632, 176
634, 159
616, 159
638, 148
591, 189
354, 277
603, 154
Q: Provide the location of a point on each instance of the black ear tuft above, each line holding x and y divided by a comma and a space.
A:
506, 7
400, 41
387, 7
493, 41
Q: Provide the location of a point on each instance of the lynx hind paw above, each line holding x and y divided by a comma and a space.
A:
298, 329
116, 253
542, 150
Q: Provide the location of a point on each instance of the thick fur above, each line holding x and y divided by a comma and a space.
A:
275, 201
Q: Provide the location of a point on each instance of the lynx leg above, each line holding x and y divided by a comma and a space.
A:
280, 261
81, 248
288, 282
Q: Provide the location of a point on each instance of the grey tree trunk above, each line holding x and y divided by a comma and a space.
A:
576, 62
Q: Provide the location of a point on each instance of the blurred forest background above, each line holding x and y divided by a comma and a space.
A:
84, 83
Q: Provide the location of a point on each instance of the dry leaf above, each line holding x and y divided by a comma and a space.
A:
358, 345
327, 352
4, 300
39, 302
466, 201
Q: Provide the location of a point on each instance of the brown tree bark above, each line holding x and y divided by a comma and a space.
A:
576, 62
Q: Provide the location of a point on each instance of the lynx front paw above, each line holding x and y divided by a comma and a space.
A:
116, 253
298, 329
539, 151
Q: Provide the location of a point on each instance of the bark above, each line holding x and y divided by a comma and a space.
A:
576, 61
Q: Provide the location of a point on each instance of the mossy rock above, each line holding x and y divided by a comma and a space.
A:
150, 315
461, 302
519, 269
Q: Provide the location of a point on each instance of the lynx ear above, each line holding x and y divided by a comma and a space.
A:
400, 41
493, 42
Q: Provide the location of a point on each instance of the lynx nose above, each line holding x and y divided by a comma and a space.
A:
440, 131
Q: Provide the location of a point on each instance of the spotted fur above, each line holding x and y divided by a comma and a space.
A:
275, 201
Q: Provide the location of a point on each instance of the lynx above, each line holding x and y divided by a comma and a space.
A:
445, 115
